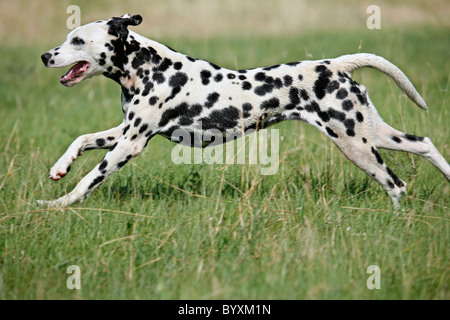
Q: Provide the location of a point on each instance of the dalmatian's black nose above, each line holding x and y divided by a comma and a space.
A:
45, 57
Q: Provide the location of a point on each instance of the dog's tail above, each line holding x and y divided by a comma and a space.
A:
351, 62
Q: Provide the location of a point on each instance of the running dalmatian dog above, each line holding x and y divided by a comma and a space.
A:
164, 90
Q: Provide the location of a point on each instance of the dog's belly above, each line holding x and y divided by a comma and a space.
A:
213, 133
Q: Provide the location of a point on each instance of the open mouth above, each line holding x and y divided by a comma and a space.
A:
75, 74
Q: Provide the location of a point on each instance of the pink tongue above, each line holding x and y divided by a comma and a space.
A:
74, 71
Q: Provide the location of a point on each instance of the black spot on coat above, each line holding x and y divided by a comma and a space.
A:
179, 79
152, 101
334, 114
377, 155
100, 142
124, 162
359, 117
270, 104
347, 105
218, 77
148, 86
212, 99
265, 88
246, 85
177, 65
294, 96
247, 107
322, 82
214, 66
158, 77
312, 107
137, 122
103, 165
222, 119
332, 86
164, 65
304, 94
183, 111
350, 125
141, 57
341, 94
205, 75
260, 76
411, 137
143, 128
287, 80
331, 133
399, 183
96, 181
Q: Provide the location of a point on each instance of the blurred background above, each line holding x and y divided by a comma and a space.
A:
36, 22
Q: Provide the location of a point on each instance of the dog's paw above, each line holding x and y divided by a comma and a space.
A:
62, 166
43, 203
51, 204
60, 169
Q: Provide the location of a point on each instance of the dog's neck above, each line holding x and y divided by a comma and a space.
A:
135, 58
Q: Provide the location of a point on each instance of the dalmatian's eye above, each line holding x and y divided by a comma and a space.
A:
77, 41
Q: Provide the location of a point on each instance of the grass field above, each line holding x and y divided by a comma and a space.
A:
156, 230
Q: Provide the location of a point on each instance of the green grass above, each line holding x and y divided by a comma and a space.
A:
156, 230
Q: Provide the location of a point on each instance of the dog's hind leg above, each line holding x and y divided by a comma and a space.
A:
389, 138
365, 155
100, 140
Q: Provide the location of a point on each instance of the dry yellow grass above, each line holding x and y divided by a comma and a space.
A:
31, 22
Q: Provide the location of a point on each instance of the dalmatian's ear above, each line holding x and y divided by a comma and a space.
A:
118, 26
132, 20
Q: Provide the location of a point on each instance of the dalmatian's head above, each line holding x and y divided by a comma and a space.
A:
90, 49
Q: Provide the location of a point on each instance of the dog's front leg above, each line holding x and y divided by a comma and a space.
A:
115, 159
100, 140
